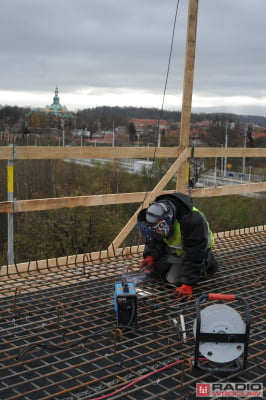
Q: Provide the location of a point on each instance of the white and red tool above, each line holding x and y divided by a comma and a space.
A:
221, 334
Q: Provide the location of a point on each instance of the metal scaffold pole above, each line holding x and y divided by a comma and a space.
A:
10, 216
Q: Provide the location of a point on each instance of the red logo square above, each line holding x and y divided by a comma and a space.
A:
203, 389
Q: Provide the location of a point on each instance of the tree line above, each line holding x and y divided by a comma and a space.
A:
48, 234
57, 233
95, 117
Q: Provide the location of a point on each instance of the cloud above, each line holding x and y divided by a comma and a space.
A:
117, 51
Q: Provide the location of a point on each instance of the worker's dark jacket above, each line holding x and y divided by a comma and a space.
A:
195, 237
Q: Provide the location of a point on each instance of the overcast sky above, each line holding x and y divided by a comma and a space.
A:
115, 52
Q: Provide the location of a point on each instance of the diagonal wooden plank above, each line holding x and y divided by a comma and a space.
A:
151, 196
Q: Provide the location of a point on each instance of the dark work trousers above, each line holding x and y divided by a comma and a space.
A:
170, 268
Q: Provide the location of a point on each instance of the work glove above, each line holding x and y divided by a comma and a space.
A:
146, 264
184, 290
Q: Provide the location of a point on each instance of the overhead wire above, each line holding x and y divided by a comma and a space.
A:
168, 67
163, 101
164, 95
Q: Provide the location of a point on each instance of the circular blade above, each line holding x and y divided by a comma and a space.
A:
220, 318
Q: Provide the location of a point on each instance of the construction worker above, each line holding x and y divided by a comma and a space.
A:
178, 242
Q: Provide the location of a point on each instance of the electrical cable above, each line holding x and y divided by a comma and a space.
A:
168, 67
164, 93
70, 345
106, 396
48, 346
162, 107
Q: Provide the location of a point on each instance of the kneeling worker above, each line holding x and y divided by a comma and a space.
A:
178, 241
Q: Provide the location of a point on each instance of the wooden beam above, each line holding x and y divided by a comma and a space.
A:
46, 152
7, 207
6, 153
234, 152
187, 89
230, 190
120, 198
77, 201
188, 73
54, 152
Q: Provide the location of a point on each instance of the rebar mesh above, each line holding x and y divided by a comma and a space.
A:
59, 339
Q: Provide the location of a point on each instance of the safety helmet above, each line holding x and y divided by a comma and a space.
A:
158, 220
157, 211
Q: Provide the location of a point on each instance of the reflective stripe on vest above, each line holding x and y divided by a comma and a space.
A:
175, 240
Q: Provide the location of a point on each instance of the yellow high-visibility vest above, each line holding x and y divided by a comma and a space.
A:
175, 240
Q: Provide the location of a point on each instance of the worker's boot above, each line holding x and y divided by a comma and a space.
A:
211, 263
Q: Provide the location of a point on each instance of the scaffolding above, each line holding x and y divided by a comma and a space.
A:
59, 340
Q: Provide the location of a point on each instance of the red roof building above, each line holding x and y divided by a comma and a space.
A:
143, 124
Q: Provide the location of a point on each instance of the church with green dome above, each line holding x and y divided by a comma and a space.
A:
56, 108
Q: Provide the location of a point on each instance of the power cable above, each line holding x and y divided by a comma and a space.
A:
164, 92
107, 396
46, 345
168, 67
163, 100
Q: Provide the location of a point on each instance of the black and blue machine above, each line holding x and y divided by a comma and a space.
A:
125, 303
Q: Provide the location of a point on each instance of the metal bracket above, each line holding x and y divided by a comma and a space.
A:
14, 205
14, 152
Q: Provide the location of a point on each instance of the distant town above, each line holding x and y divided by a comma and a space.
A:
55, 125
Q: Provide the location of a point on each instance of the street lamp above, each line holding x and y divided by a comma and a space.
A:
81, 138
221, 160
245, 145
159, 135
249, 172
113, 135
148, 145
215, 172
225, 145
63, 128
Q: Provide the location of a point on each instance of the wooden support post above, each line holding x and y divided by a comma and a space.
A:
187, 88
